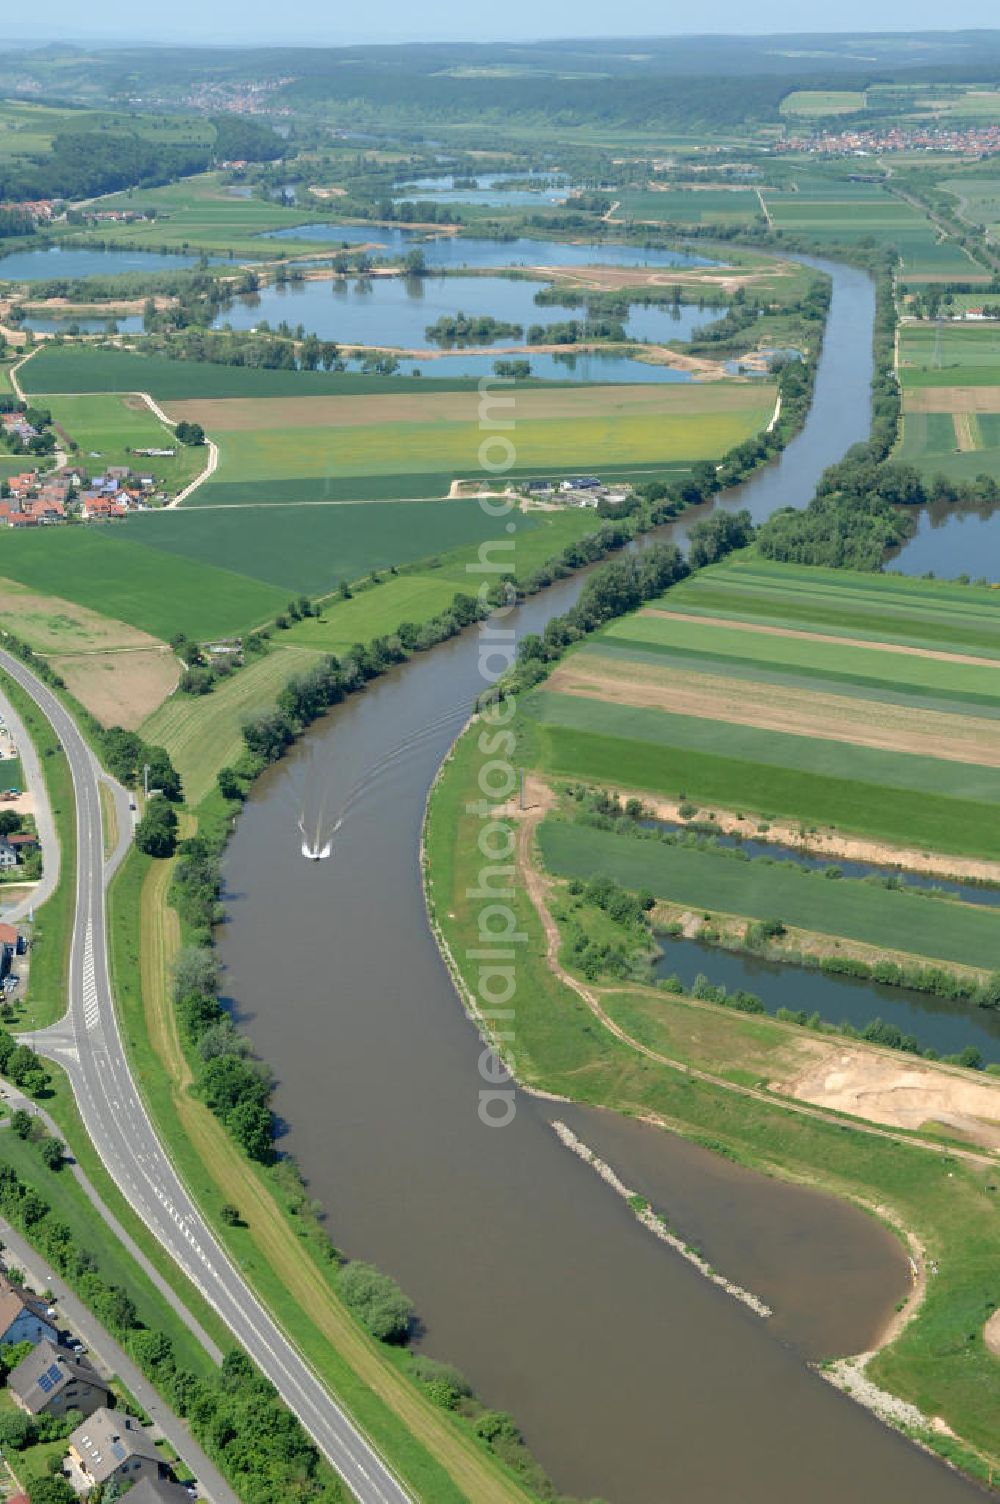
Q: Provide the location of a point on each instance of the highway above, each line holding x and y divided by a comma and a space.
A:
87, 1044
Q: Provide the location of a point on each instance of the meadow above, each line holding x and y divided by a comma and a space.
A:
813, 103
711, 880
691, 206
204, 734
848, 702
415, 445
107, 429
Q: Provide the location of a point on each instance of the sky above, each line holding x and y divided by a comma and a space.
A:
260, 22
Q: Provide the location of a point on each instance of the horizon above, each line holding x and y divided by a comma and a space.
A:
896, 18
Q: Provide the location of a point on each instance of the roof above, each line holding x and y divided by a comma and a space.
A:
45, 1371
146, 1491
14, 1300
107, 1439
22, 838
8, 934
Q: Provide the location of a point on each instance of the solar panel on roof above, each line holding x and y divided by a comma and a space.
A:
44, 1382
54, 1373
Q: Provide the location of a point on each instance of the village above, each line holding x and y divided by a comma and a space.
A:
37, 499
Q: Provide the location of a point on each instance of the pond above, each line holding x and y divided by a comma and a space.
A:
86, 261
490, 189
815, 861
395, 311
40, 323
953, 540
591, 365
937, 1023
462, 250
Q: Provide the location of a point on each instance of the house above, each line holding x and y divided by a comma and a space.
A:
100, 508
112, 1446
580, 483
147, 1491
22, 1315
11, 936
13, 848
51, 1380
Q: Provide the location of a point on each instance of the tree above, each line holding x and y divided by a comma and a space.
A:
230, 784
156, 832
162, 773
377, 1301
21, 1122
54, 1490
10, 821
16, 1430
53, 1152
189, 433
231, 1215
196, 972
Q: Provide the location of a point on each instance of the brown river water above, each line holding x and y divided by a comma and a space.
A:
632, 1378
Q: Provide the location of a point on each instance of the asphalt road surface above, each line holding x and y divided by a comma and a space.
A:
87, 1044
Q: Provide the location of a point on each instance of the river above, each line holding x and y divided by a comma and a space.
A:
631, 1376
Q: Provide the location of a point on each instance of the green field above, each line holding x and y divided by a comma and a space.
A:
82, 368
812, 103
949, 355
208, 572
849, 217
710, 880
886, 608
272, 461
689, 206
103, 568
825, 631
11, 773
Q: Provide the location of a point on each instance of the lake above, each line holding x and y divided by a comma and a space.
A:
72, 262
462, 250
397, 310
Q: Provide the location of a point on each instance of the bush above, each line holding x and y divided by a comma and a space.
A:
377, 1301
156, 832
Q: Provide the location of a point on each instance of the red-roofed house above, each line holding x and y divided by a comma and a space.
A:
101, 508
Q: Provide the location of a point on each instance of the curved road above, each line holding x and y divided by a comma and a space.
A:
87, 1044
